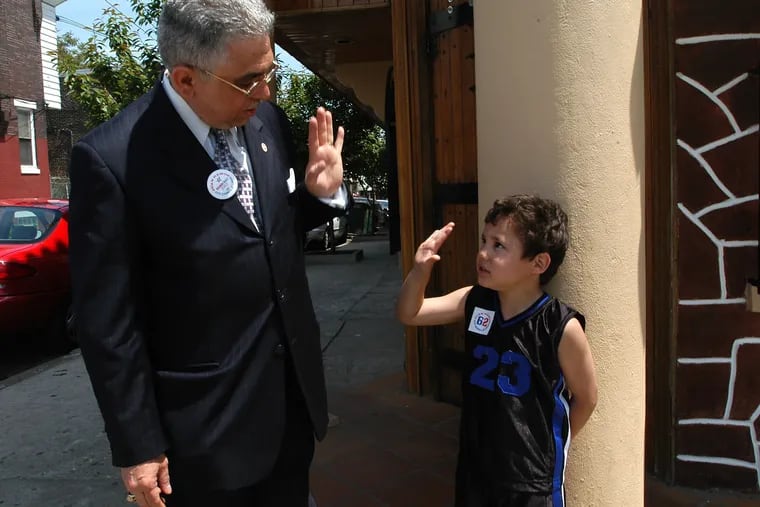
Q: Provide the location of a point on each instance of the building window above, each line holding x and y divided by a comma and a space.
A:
26, 138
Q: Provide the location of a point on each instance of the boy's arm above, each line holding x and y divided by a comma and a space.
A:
578, 369
412, 308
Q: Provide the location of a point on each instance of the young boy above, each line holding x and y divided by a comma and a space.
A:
525, 353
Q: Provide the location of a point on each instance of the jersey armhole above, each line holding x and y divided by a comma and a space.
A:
572, 314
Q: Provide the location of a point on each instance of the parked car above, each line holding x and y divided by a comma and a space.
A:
35, 288
367, 216
329, 235
381, 207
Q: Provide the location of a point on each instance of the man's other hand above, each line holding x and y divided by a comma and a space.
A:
148, 481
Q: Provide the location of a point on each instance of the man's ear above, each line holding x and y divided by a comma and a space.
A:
183, 80
541, 262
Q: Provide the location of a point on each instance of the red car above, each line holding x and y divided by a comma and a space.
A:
35, 288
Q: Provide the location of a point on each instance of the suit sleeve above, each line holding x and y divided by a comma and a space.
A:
106, 286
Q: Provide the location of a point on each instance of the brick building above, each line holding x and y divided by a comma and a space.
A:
64, 128
29, 87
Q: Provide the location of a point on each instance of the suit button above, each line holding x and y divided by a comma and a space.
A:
271, 242
282, 296
279, 350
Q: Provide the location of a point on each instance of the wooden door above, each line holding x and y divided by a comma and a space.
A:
703, 344
455, 175
434, 97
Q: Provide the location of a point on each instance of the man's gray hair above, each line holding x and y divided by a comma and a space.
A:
196, 32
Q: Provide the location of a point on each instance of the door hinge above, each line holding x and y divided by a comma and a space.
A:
447, 19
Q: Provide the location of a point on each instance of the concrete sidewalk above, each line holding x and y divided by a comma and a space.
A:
388, 448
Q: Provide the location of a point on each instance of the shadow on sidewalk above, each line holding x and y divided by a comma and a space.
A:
389, 448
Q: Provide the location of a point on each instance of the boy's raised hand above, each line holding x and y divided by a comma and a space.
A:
427, 252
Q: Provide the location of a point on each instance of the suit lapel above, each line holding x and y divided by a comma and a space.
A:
186, 160
259, 147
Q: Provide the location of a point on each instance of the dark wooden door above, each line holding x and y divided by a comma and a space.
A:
455, 174
703, 387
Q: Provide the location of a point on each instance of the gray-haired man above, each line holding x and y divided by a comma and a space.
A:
193, 308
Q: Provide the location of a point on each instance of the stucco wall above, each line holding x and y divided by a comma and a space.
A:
560, 111
368, 82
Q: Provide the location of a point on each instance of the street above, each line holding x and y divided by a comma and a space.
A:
54, 452
22, 354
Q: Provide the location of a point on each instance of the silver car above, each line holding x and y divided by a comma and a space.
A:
329, 235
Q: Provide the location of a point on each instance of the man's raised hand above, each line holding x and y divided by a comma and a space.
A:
324, 170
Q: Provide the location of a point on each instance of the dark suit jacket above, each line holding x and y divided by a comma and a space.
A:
180, 302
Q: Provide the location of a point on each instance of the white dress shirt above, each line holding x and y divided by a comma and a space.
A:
201, 130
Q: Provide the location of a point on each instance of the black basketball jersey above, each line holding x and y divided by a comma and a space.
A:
515, 428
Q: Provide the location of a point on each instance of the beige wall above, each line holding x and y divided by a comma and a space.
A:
368, 82
560, 108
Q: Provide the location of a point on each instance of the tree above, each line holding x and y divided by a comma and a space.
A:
116, 65
364, 148
120, 62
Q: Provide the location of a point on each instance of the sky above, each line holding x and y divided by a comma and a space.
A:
73, 14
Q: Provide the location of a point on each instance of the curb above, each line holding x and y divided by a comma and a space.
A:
338, 257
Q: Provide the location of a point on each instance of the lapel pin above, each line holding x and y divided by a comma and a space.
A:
264, 147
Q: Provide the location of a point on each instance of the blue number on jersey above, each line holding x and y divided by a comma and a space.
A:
479, 375
521, 373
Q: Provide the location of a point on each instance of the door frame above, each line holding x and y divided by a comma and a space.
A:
660, 233
414, 153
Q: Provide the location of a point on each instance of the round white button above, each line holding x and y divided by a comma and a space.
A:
222, 184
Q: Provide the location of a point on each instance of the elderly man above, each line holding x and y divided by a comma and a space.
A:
193, 308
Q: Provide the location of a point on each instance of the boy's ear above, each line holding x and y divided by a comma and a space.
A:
541, 262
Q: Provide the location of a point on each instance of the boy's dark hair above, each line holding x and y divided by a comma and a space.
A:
540, 224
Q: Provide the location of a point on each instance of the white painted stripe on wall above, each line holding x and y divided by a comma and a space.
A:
725, 204
696, 155
756, 450
700, 302
714, 98
713, 422
728, 139
717, 460
738, 244
731, 84
732, 380
701, 39
704, 360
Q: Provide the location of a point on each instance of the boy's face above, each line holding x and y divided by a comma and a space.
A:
500, 262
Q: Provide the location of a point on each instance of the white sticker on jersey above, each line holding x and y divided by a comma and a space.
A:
481, 321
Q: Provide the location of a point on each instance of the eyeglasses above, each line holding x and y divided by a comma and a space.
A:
266, 78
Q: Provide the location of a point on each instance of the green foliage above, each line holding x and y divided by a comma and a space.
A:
364, 147
120, 62
116, 65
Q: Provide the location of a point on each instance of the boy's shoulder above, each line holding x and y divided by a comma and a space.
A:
569, 312
481, 296
552, 311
